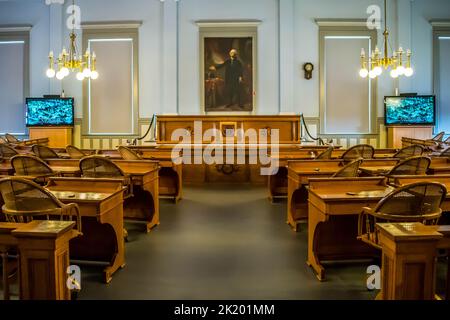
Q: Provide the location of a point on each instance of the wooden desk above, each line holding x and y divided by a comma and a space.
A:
5, 168
278, 183
334, 208
44, 257
144, 205
400, 181
299, 173
376, 171
101, 207
170, 174
439, 165
409, 260
197, 172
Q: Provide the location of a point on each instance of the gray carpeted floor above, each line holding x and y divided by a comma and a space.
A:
222, 242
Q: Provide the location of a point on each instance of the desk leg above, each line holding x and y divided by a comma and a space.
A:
315, 219
292, 187
115, 220
153, 189
179, 194
5, 275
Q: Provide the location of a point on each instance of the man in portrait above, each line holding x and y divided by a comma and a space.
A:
234, 77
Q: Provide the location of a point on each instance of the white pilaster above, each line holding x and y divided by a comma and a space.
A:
56, 35
287, 67
404, 8
170, 57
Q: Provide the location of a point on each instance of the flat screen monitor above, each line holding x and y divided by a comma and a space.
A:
49, 112
409, 111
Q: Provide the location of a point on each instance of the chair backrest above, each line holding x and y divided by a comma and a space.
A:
439, 137
415, 166
25, 200
11, 139
99, 167
128, 154
44, 152
75, 153
447, 141
7, 152
351, 170
445, 153
2, 140
360, 151
410, 151
326, 155
415, 202
25, 165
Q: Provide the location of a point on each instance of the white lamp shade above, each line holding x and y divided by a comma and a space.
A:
94, 75
363, 73
50, 73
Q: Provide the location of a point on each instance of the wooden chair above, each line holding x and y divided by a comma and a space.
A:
360, 151
128, 154
11, 139
418, 202
3, 141
25, 201
326, 155
408, 152
75, 153
30, 166
349, 171
445, 153
44, 152
101, 167
439, 137
415, 166
7, 152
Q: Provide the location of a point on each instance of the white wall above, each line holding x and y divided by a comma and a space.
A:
35, 13
166, 55
267, 51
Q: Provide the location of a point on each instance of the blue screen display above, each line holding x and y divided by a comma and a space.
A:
50, 112
416, 110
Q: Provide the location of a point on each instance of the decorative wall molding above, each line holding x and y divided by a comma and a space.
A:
341, 22
440, 23
15, 28
227, 23
111, 25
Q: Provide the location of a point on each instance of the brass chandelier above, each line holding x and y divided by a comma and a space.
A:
373, 65
71, 61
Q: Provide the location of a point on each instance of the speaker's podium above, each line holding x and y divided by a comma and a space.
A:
397, 133
58, 137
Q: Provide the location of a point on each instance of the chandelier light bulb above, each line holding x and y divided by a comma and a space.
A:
50, 73
401, 70
59, 75
394, 74
378, 70
409, 72
65, 71
372, 74
80, 76
94, 75
87, 72
363, 73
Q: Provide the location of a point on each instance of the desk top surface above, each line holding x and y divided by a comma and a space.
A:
371, 193
80, 196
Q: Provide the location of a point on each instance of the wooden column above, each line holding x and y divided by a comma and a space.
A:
44, 258
409, 261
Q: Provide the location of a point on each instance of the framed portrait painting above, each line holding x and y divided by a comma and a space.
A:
228, 73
